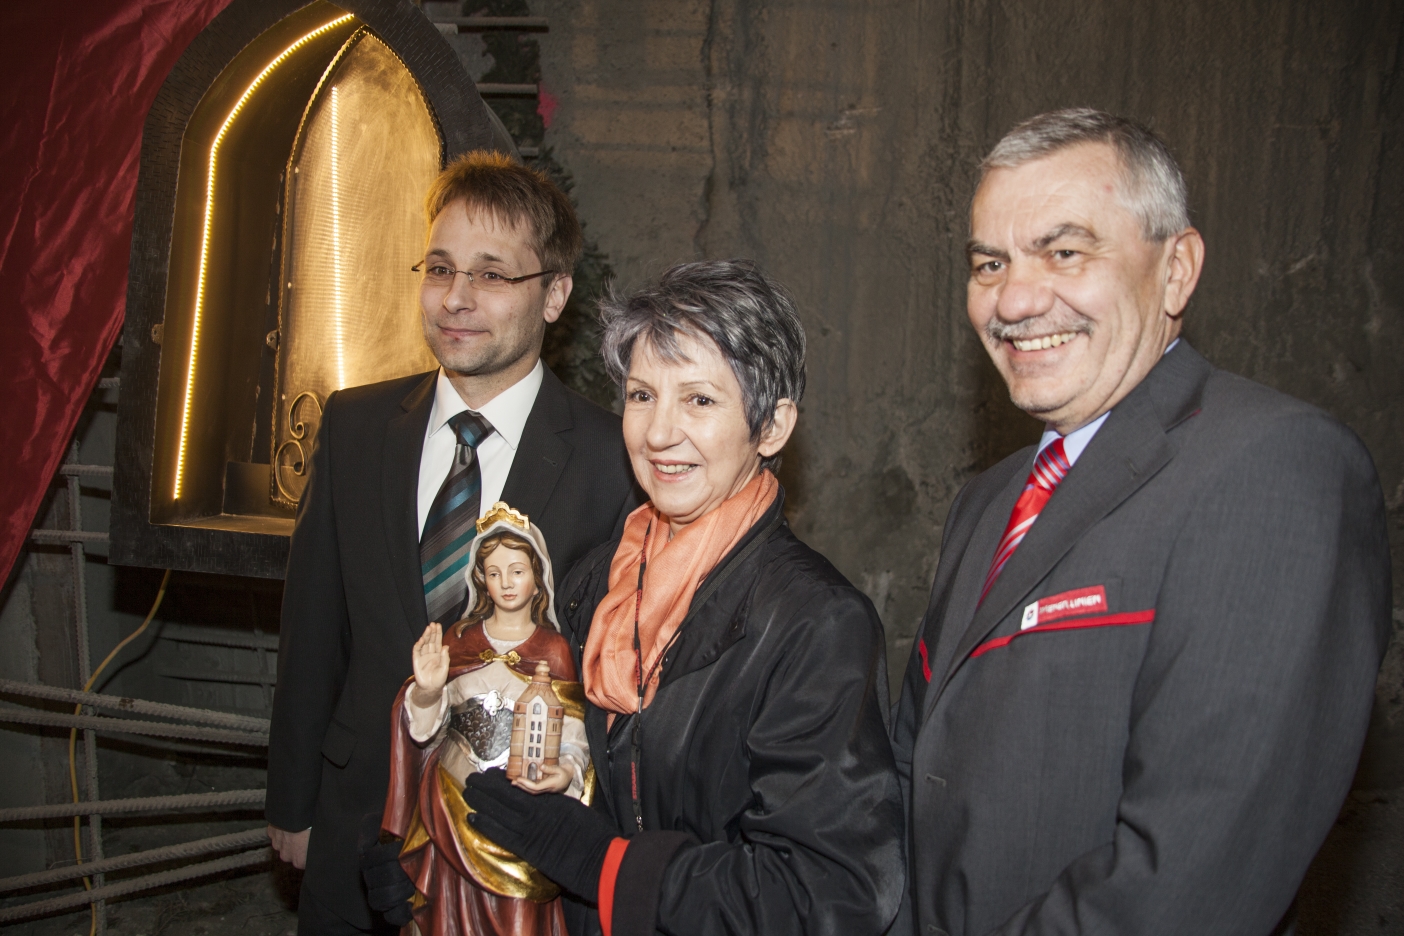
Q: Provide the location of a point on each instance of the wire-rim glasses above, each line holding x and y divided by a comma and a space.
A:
441, 275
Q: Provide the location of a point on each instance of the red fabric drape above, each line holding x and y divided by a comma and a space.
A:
77, 82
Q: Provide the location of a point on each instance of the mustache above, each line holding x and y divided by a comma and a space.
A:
1060, 322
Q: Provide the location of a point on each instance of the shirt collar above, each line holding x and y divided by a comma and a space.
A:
508, 411
1074, 442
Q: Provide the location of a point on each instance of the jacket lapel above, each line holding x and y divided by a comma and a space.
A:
968, 575
716, 617
542, 454
1129, 449
399, 498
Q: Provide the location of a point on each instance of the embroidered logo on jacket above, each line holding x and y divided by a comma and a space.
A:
1079, 601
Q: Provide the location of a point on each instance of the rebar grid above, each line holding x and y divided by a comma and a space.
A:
230, 842
85, 672
141, 804
99, 895
139, 706
91, 723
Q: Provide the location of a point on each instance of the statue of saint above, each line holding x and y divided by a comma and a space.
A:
455, 717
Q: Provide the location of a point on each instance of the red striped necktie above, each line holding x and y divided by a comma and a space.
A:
1049, 469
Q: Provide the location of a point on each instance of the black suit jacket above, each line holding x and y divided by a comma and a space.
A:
1165, 750
353, 605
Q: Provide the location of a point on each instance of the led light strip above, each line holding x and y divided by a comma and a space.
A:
205, 236
338, 304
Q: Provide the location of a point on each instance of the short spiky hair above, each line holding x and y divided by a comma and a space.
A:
493, 182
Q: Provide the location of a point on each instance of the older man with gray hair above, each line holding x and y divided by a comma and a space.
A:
1143, 680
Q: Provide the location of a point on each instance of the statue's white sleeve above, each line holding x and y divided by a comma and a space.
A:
575, 754
426, 723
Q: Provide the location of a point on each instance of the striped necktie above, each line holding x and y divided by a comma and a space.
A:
1049, 469
452, 522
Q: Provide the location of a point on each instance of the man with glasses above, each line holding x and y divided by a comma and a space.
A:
400, 473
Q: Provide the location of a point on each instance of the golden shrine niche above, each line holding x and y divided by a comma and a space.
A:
279, 211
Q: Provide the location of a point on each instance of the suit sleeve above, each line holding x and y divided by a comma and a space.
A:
819, 851
313, 649
1253, 698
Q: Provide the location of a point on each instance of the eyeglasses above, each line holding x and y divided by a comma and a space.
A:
439, 274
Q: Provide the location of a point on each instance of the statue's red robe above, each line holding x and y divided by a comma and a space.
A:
461, 876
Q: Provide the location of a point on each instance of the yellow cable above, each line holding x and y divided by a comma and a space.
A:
73, 735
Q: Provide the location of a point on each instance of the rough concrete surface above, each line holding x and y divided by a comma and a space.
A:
836, 142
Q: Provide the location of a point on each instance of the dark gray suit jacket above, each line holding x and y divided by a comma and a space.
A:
353, 605
1166, 750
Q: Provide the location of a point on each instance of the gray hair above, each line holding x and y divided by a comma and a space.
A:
746, 314
1153, 187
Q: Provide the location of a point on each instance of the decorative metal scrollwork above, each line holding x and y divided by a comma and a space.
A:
297, 432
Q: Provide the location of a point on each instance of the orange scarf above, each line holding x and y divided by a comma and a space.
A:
675, 568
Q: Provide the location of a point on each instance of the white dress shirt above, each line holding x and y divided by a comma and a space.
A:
1074, 442
508, 412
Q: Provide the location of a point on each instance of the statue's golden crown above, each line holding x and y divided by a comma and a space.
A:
500, 512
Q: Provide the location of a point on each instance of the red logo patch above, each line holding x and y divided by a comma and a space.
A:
1079, 601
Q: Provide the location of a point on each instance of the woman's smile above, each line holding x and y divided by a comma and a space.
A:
686, 431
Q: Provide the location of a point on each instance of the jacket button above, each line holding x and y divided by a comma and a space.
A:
574, 603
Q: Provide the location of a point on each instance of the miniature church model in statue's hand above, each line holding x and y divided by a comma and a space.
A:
536, 728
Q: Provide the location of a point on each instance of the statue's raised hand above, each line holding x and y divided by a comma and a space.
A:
431, 666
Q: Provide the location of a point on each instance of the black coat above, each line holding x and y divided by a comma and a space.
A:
353, 605
765, 746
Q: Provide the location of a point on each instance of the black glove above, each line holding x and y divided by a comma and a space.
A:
388, 888
563, 838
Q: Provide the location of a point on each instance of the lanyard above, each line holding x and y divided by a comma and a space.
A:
635, 736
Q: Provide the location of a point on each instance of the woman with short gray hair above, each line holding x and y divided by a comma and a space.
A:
736, 680
748, 317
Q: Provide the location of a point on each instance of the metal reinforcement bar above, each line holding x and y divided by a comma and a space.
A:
187, 633
528, 90
234, 840
132, 886
229, 799
132, 726
221, 676
66, 537
138, 706
86, 471
471, 23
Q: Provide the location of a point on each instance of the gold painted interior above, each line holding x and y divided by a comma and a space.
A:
354, 224
218, 290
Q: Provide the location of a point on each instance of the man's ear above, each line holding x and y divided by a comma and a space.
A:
782, 425
1185, 263
556, 295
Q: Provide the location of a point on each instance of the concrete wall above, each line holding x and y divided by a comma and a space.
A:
836, 143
